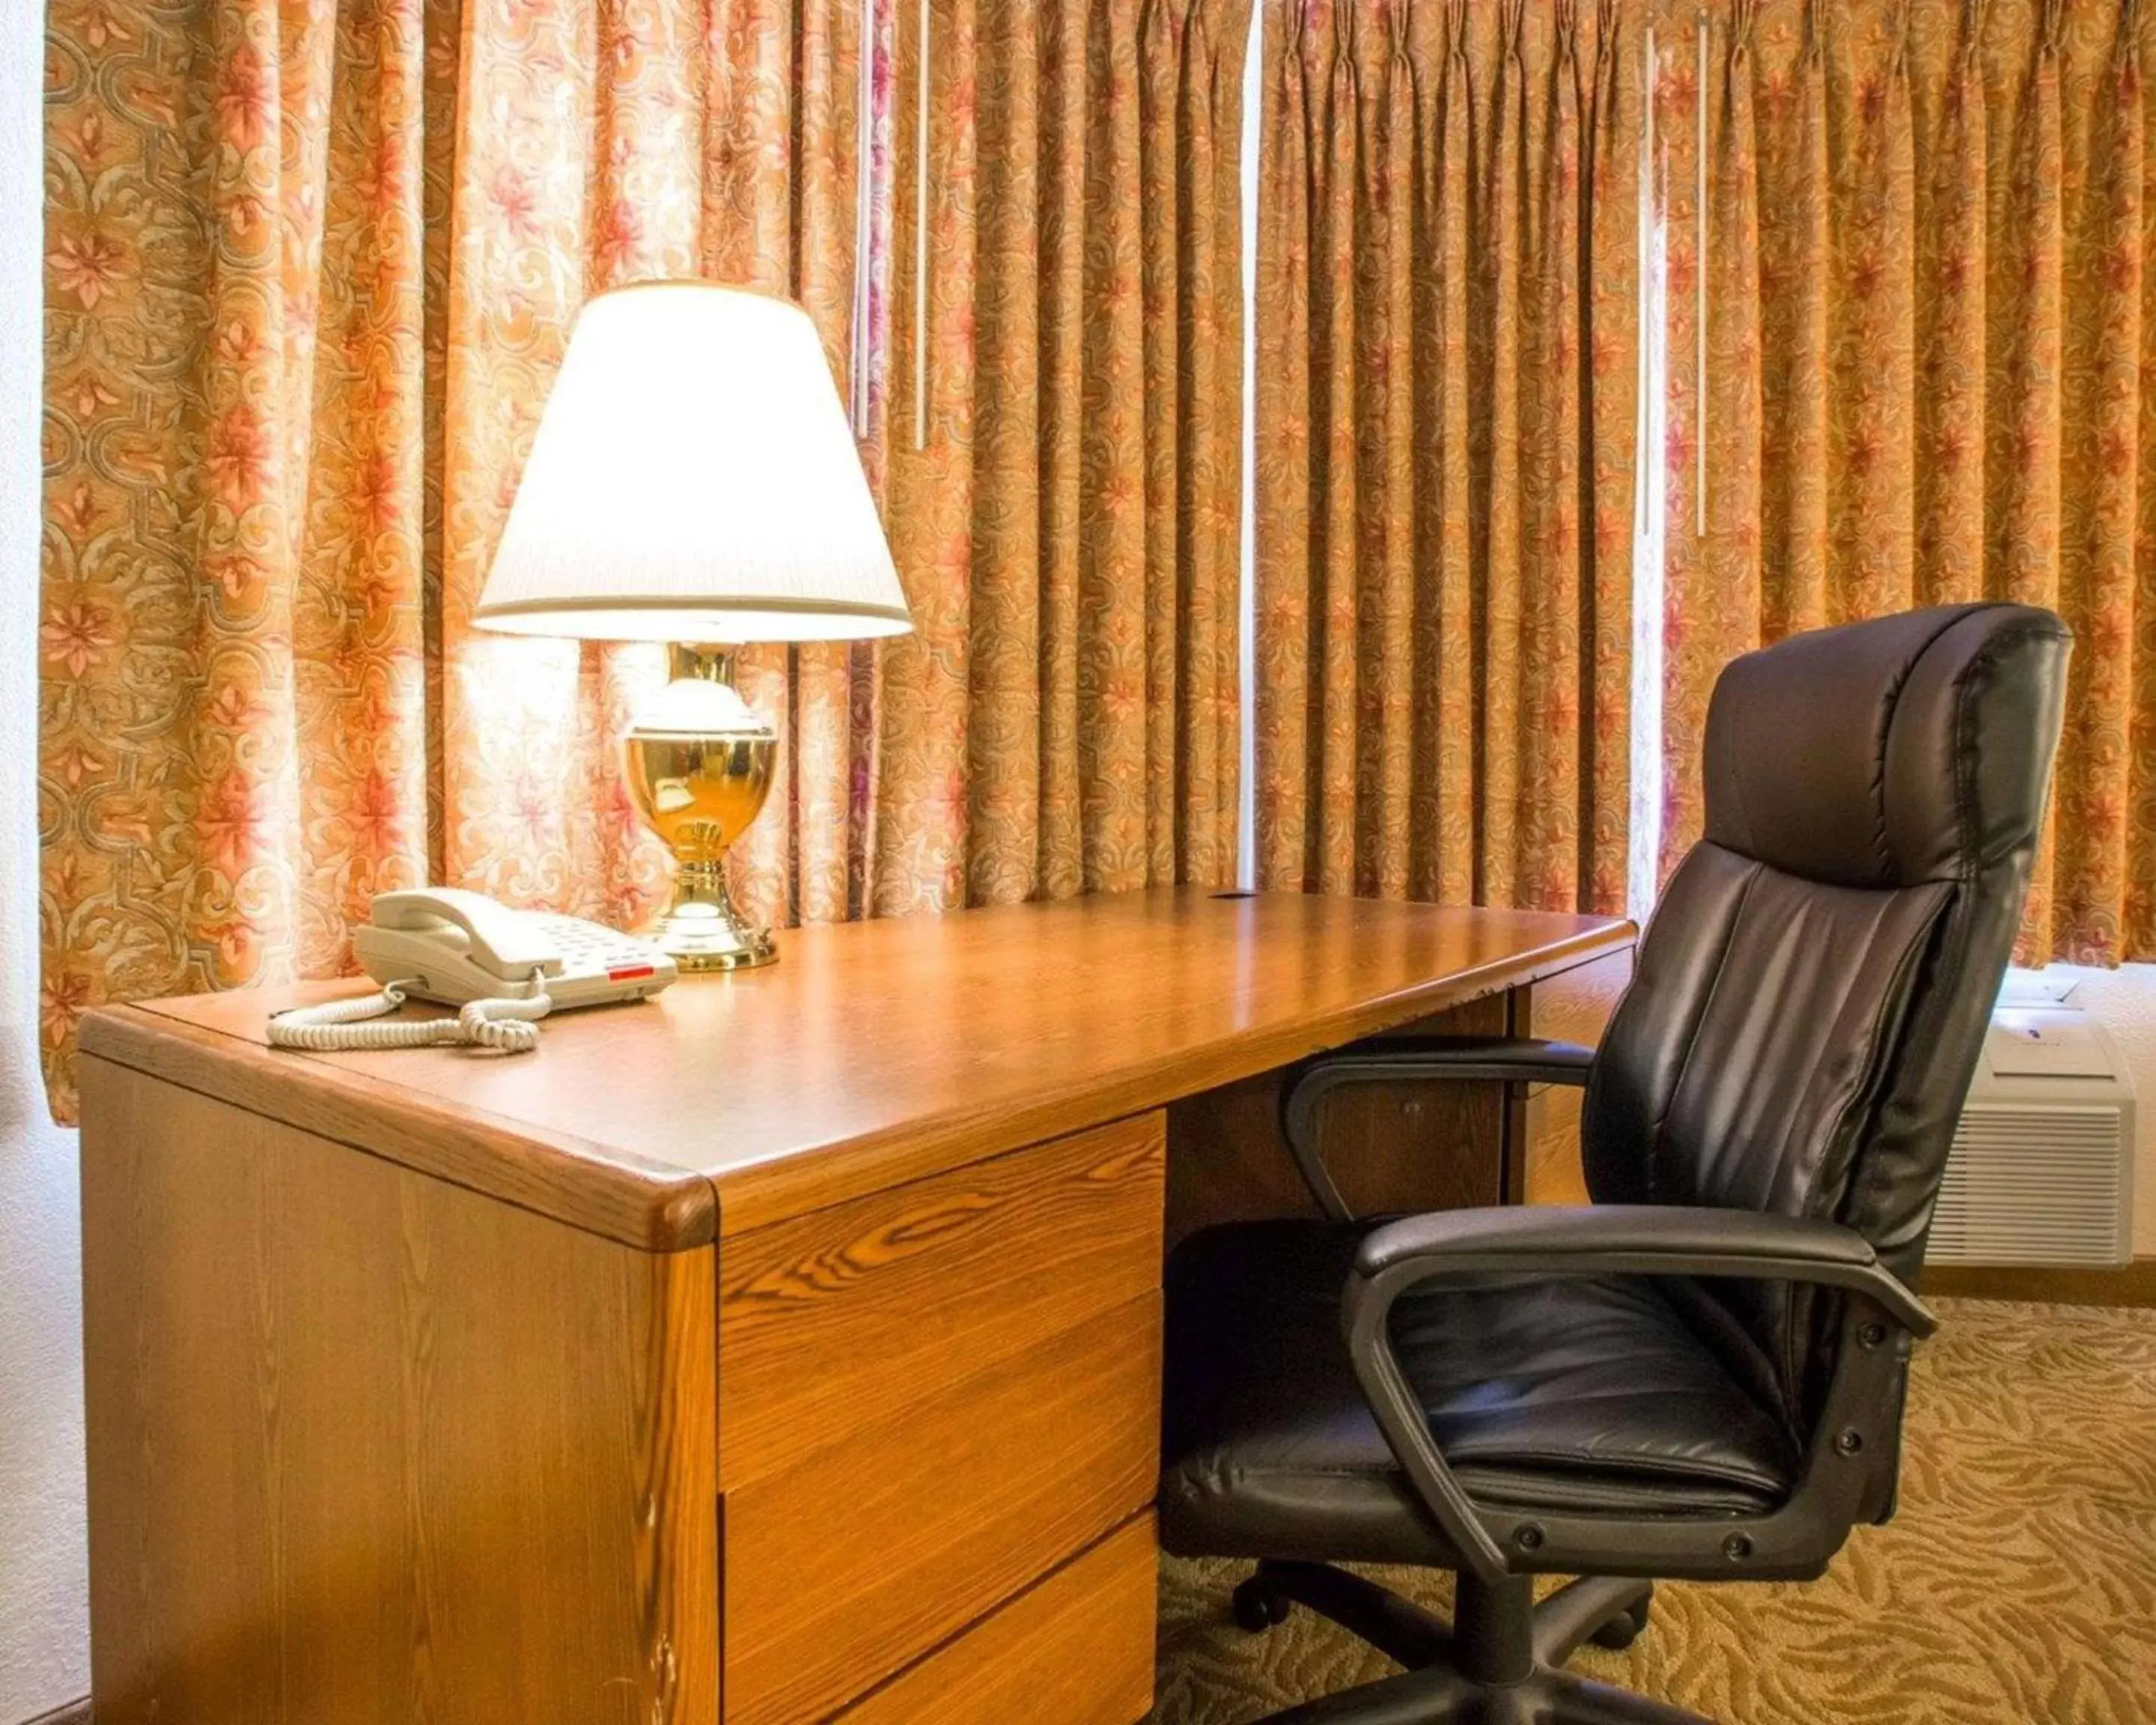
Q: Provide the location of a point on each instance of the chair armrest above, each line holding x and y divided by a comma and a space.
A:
1413, 1060
1637, 1240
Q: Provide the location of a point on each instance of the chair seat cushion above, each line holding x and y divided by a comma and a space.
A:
1587, 1396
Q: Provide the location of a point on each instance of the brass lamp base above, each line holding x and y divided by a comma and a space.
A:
702, 931
698, 762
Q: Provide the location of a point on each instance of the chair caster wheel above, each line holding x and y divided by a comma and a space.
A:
1256, 1607
1624, 1629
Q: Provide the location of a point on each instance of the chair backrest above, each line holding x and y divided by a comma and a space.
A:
1809, 1002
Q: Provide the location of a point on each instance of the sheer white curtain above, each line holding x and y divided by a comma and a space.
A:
43, 1645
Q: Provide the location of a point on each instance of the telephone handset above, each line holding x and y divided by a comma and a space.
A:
504, 969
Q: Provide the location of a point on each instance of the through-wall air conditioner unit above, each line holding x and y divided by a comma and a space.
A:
2042, 1167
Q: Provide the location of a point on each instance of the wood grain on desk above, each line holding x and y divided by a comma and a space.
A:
874, 1053
1075, 1650
929, 1398
846, 1319
363, 1446
848, 1567
783, 1349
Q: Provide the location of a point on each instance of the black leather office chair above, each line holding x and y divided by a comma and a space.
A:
1700, 1374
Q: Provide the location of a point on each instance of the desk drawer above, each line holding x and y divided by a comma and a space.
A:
840, 1319
1077, 1650
929, 1398
863, 1557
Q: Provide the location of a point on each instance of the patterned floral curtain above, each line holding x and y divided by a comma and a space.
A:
312, 265
609, 141
1930, 349
311, 268
1447, 385
1066, 719
239, 523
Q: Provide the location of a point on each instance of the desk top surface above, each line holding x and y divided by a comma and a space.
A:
872, 1053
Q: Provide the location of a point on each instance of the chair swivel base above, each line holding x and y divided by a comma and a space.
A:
1499, 1662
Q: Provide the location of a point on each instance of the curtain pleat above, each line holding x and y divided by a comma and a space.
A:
1495, 345
1190, 116
1871, 343
1069, 700
1798, 347
1555, 559
1948, 342
929, 689
1447, 273
1442, 858
2105, 844
1612, 269
1951, 220
1286, 390
1711, 571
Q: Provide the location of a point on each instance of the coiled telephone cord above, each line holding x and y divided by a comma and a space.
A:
507, 1026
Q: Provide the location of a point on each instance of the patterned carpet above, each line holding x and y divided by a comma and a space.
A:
2017, 1584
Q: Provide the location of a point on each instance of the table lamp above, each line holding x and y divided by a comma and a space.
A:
694, 480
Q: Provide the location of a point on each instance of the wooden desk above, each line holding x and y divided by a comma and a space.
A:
783, 1349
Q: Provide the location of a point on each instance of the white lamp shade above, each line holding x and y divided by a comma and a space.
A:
694, 479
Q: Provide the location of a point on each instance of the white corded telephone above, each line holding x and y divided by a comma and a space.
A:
504, 969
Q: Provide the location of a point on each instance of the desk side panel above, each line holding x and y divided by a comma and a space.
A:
364, 1445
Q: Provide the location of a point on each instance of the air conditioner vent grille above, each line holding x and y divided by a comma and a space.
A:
2035, 1184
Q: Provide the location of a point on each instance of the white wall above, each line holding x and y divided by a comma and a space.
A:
2123, 1001
43, 1641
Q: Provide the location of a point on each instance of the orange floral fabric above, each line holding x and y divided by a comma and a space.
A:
238, 530
1447, 331
711, 139
1927, 272
1065, 718
310, 266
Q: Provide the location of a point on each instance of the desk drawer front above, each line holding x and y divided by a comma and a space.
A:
842, 1320
1077, 1650
865, 1556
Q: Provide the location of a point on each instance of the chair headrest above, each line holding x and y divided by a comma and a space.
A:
1912, 748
